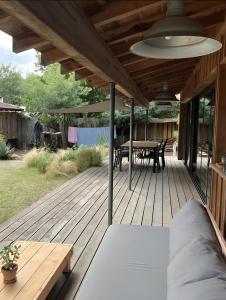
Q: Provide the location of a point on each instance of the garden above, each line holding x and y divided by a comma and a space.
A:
26, 178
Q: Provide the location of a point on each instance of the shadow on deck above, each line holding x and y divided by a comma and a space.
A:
77, 212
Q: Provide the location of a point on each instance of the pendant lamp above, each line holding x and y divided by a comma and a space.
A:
175, 36
165, 95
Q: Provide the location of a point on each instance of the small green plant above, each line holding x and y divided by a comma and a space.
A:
39, 159
5, 151
9, 256
2, 138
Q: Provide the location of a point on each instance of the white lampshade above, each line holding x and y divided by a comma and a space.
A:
176, 36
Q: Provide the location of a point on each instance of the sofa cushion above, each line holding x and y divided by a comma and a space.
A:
130, 264
207, 289
190, 222
198, 261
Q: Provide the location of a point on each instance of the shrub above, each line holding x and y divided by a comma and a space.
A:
87, 157
69, 154
59, 167
39, 159
96, 158
2, 138
103, 149
65, 162
5, 151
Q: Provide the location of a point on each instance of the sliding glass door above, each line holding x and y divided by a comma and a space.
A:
200, 140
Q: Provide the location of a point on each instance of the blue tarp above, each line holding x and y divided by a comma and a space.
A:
93, 136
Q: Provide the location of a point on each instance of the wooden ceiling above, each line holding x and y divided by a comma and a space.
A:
92, 39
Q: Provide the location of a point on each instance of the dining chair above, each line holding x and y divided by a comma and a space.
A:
162, 153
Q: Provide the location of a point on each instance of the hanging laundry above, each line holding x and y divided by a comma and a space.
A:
72, 135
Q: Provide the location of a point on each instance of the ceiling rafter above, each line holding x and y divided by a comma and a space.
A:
50, 24
118, 10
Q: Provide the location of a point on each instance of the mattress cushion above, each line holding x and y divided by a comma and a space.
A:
130, 264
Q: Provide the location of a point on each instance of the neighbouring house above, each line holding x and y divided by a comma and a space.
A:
15, 126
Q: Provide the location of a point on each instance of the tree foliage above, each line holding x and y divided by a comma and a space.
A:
11, 85
47, 89
154, 111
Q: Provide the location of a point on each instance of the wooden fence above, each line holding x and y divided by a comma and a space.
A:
16, 127
155, 130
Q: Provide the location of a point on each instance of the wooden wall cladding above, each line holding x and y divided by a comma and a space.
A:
8, 124
205, 72
217, 204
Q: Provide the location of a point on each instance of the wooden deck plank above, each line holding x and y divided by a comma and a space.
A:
46, 212
166, 198
158, 208
77, 212
139, 211
125, 197
179, 188
175, 204
130, 210
149, 206
31, 210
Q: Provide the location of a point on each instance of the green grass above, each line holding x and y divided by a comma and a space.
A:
21, 186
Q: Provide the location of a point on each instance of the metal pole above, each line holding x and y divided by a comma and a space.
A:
111, 152
131, 144
146, 125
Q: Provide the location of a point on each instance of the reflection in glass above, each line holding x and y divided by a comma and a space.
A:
204, 143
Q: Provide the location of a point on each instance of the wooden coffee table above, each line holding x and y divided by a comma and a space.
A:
39, 267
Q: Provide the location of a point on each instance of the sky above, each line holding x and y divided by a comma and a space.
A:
24, 61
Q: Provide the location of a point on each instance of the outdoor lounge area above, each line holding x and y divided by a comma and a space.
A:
76, 213
143, 224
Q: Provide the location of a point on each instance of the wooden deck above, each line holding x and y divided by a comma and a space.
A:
77, 212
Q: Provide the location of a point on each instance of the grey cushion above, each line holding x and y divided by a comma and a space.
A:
130, 264
198, 261
208, 289
190, 222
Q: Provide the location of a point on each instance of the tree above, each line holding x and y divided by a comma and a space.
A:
11, 88
154, 111
53, 90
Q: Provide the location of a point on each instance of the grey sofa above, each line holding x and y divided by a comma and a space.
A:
143, 263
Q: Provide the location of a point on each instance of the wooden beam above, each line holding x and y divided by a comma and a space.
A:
52, 56
82, 74
118, 10
172, 66
69, 65
181, 76
28, 42
131, 59
136, 28
65, 25
140, 67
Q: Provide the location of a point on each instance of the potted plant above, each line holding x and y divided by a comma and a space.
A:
9, 256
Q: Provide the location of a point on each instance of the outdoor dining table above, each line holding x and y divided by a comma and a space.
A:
140, 145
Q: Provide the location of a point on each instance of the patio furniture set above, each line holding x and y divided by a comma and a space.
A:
143, 150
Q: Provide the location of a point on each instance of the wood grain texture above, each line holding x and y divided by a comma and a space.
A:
40, 265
